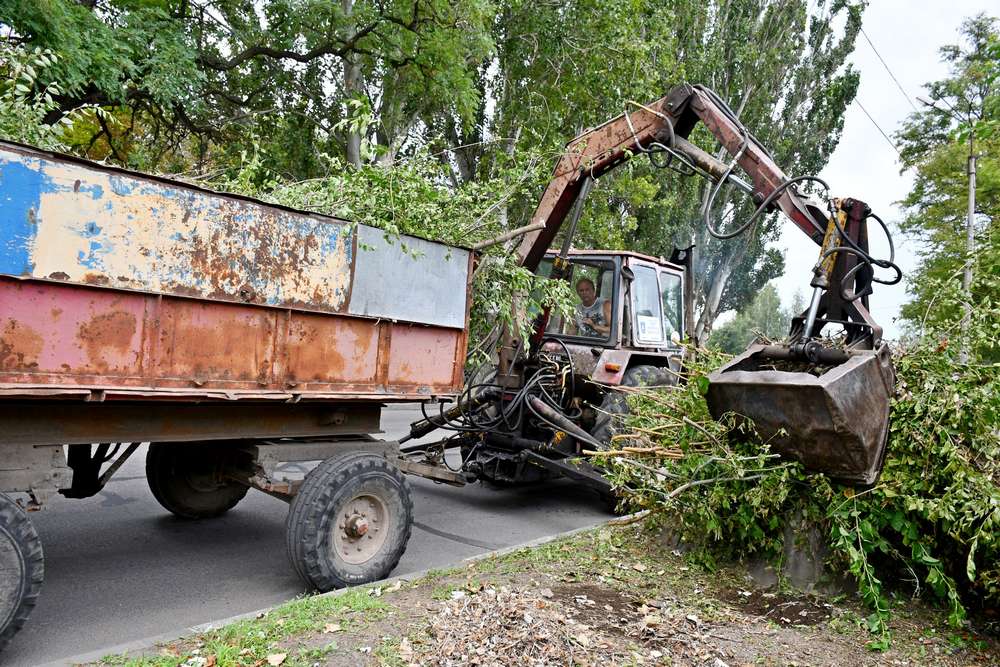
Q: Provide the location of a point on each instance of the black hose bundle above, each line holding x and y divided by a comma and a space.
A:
553, 383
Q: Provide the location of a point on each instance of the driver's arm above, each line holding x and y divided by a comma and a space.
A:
604, 328
571, 328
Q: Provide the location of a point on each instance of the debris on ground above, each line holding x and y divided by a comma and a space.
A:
615, 596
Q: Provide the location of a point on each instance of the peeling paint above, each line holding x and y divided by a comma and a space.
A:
75, 222
113, 230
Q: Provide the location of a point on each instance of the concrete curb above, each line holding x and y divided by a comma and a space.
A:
149, 645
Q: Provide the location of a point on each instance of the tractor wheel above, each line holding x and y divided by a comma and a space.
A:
350, 521
614, 407
21, 568
188, 480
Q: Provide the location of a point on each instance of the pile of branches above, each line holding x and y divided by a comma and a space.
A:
931, 525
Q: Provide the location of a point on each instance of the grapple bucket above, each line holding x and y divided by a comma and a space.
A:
836, 422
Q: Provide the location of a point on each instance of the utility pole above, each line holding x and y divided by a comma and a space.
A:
970, 247
970, 226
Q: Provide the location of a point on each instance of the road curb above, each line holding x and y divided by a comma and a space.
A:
149, 645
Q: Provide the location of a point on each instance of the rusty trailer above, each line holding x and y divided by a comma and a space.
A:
229, 333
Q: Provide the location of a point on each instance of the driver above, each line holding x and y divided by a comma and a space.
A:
593, 314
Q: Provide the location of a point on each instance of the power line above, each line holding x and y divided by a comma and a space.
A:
886, 66
878, 128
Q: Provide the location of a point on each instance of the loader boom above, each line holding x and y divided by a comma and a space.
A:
667, 122
836, 422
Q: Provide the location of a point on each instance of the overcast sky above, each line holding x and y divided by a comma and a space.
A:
908, 35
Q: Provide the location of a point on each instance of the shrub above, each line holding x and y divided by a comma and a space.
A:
932, 520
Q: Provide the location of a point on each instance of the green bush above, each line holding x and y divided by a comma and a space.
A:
931, 522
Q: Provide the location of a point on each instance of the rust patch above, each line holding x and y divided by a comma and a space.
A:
20, 347
56, 312
331, 350
96, 279
207, 343
107, 332
59, 275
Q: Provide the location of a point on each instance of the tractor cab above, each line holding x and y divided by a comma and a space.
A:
630, 311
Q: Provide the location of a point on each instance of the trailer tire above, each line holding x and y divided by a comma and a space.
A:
21, 568
358, 549
614, 407
184, 479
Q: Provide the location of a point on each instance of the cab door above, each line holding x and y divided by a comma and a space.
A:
656, 304
645, 301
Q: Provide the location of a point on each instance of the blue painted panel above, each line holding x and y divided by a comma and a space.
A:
20, 193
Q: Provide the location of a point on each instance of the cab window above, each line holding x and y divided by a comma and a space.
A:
671, 300
646, 300
593, 314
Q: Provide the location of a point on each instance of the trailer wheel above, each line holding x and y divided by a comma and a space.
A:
350, 521
187, 480
21, 568
614, 407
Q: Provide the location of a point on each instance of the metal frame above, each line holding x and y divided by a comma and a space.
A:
39, 423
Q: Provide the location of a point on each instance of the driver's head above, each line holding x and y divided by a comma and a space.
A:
586, 291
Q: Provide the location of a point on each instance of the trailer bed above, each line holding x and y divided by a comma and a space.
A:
118, 286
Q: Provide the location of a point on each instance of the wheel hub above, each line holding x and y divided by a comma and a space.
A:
362, 525
357, 526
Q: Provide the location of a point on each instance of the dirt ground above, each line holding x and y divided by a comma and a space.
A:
614, 596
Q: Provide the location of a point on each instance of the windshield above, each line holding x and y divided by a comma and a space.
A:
593, 312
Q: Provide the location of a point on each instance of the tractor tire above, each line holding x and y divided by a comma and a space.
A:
21, 568
350, 521
614, 407
186, 480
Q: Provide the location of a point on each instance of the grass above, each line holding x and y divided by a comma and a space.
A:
251, 640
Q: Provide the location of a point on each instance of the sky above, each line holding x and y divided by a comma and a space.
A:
908, 35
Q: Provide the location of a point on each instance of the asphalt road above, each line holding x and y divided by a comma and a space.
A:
119, 568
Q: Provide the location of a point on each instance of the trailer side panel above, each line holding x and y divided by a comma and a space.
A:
144, 288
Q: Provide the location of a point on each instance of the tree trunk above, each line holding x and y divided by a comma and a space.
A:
352, 84
717, 286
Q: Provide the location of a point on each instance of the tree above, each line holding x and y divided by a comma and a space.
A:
763, 316
208, 78
493, 90
565, 66
935, 143
765, 58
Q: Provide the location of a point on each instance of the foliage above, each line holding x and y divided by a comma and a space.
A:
763, 317
764, 56
936, 143
24, 105
197, 82
931, 522
486, 86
